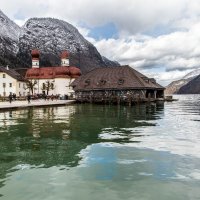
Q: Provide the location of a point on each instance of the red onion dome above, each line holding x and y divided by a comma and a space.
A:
64, 54
62, 71
35, 53
74, 72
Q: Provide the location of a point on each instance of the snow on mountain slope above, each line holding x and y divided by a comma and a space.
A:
9, 35
192, 87
51, 36
192, 74
175, 86
8, 28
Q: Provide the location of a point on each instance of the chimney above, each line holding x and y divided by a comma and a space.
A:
65, 59
35, 58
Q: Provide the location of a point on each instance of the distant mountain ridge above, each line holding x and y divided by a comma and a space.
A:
50, 36
186, 85
192, 87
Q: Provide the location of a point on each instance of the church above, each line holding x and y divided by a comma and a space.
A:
54, 80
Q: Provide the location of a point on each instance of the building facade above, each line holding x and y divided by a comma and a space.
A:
116, 84
11, 82
52, 80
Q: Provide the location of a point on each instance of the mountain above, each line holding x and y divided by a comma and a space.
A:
9, 34
192, 87
50, 36
192, 74
175, 86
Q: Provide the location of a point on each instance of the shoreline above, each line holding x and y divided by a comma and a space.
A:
34, 103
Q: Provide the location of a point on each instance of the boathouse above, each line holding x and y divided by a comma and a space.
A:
116, 85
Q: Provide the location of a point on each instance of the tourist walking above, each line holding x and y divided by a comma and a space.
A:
29, 98
14, 96
52, 97
10, 97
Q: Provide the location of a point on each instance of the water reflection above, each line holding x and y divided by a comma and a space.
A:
55, 136
78, 146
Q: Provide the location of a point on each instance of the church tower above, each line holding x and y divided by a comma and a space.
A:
35, 58
65, 59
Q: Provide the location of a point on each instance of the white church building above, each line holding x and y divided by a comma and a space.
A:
52, 80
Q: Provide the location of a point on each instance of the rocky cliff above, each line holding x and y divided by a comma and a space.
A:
9, 34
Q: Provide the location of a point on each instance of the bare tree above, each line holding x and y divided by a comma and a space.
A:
48, 86
30, 85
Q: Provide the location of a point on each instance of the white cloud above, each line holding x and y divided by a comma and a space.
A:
175, 52
130, 16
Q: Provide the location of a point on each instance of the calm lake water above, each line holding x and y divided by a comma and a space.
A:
95, 152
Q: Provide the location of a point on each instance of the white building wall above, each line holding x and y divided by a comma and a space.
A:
21, 88
61, 86
9, 83
64, 62
35, 64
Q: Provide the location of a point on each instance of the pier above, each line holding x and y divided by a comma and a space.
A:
34, 103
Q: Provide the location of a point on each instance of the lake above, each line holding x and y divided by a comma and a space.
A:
143, 152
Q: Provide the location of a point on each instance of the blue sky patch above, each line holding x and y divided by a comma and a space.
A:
104, 32
160, 30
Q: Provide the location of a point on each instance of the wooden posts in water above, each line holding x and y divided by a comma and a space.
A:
117, 97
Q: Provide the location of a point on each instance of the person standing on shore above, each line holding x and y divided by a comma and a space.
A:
29, 98
10, 97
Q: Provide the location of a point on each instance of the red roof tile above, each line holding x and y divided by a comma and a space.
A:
53, 72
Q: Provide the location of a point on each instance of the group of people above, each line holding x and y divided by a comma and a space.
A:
45, 97
12, 97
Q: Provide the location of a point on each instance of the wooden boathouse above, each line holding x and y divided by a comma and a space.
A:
116, 85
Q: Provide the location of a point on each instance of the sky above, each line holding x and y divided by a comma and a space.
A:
160, 38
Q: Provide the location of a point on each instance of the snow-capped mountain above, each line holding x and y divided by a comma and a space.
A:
50, 36
192, 87
176, 86
8, 28
9, 34
192, 74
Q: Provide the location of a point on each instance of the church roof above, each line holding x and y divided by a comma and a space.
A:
53, 72
115, 78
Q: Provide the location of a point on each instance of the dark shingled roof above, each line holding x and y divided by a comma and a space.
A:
12, 73
123, 77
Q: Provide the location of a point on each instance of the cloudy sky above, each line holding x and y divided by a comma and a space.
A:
161, 38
